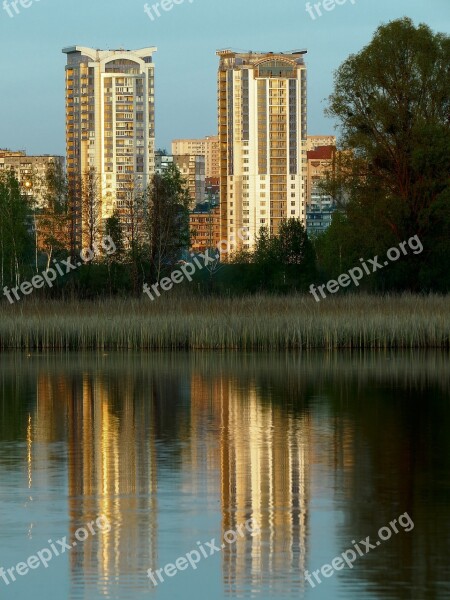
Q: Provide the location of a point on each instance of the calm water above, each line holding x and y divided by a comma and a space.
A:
175, 449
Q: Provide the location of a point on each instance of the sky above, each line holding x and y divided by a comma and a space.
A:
187, 37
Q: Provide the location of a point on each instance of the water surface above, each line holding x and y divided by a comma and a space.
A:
174, 449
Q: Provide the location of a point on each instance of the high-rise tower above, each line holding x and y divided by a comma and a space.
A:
263, 136
110, 131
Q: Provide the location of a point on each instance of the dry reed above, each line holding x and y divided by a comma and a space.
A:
249, 323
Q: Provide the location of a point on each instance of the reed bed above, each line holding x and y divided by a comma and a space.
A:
249, 323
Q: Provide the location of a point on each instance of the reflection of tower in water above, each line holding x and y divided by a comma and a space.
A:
265, 476
201, 460
112, 472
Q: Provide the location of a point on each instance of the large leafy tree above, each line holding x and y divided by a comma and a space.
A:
392, 102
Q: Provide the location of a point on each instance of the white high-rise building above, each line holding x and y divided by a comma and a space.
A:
263, 136
110, 127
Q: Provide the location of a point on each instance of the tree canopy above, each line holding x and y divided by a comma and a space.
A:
392, 104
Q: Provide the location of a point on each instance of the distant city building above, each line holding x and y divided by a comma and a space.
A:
319, 213
204, 224
316, 141
30, 172
263, 136
192, 169
109, 127
162, 162
212, 189
320, 164
320, 206
207, 147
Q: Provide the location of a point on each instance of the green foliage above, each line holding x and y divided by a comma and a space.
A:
279, 264
285, 261
16, 241
113, 229
168, 221
392, 101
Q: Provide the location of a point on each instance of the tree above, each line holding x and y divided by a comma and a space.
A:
286, 260
91, 211
15, 232
392, 101
51, 219
113, 228
168, 220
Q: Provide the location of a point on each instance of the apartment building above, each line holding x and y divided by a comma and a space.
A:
30, 171
320, 164
207, 147
192, 169
316, 141
204, 224
263, 138
162, 162
110, 129
320, 206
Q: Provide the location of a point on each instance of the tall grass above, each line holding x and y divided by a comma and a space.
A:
250, 323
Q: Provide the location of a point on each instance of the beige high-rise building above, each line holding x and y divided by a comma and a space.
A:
262, 133
207, 147
110, 127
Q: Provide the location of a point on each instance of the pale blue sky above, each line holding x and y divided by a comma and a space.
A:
32, 65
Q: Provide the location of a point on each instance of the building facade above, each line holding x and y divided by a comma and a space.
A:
204, 224
320, 206
263, 132
110, 129
30, 171
207, 147
192, 169
162, 162
316, 141
320, 164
